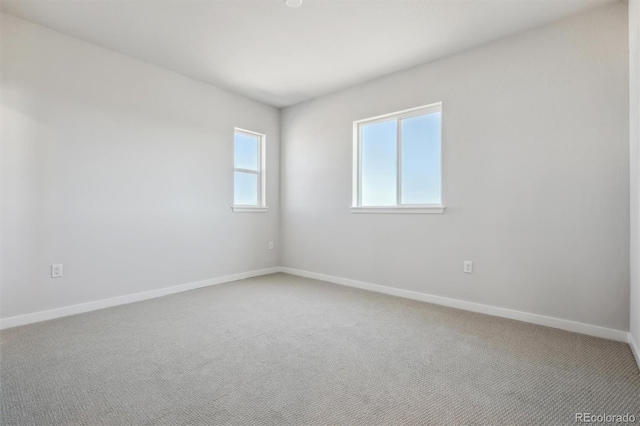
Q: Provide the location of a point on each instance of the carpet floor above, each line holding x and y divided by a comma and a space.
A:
285, 350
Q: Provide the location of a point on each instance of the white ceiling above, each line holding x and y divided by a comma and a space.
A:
281, 55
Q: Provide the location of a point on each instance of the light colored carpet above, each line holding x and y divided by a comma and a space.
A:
284, 350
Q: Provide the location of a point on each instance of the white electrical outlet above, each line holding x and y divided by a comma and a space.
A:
56, 271
270, 245
468, 267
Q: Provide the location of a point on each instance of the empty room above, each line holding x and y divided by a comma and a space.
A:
319, 212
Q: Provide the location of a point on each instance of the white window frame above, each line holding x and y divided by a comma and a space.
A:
356, 206
261, 173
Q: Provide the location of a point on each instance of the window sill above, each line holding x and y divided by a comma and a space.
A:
245, 209
402, 210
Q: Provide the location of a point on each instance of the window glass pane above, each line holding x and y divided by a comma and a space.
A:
421, 159
245, 189
246, 152
379, 164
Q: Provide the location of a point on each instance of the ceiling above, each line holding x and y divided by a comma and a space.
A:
281, 55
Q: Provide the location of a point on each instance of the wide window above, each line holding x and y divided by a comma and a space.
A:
397, 162
248, 172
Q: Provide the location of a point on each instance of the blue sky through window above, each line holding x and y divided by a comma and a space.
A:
245, 189
421, 159
379, 168
246, 152
246, 156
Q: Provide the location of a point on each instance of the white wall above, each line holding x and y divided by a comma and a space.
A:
634, 128
122, 172
535, 177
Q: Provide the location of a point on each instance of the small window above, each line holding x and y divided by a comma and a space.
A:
397, 162
248, 172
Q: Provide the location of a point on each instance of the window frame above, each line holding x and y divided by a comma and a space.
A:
261, 207
356, 206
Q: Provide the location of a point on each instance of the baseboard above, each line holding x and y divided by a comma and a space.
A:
635, 349
576, 327
591, 330
123, 300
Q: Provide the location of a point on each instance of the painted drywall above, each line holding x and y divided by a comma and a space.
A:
634, 138
535, 177
122, 172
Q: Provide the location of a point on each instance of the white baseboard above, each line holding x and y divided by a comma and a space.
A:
591, 330
577, 327
635, 349
123, 300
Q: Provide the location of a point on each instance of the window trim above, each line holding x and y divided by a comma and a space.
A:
261, 173
356, 199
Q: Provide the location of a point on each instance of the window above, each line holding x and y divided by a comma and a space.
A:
248, 172
397, 167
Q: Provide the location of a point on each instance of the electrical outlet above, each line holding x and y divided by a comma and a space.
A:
56, 271
270, 245
468, 267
